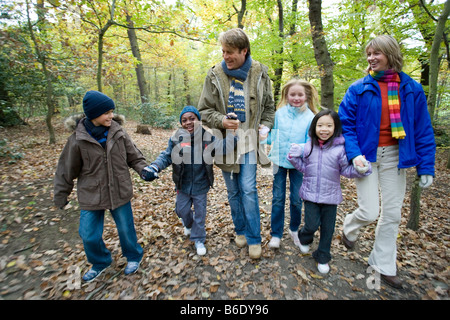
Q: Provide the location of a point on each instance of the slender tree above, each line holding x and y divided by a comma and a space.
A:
434, 58
321, 54
42, 59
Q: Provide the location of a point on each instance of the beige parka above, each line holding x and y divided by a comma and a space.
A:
213, 105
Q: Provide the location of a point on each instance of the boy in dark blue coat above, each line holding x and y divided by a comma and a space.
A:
191, 151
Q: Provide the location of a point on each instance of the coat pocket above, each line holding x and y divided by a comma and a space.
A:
89, 193
124, 185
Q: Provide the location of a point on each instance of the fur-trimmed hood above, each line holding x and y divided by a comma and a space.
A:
71, 122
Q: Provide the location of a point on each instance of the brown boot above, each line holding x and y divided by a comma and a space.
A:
393, 281
347, 243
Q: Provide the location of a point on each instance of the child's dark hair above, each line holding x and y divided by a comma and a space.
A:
312, 129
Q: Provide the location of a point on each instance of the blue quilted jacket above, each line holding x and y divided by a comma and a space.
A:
291, 126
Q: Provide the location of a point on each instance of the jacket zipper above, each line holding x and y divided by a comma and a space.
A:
319, 174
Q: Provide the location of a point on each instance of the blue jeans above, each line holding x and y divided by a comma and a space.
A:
195, 220
243, 199
323, 216
91, 230
279, 199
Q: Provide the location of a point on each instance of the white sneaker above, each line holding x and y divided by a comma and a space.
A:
303, 248
323, 268
187, 231
201, 250
274, 243
294, 236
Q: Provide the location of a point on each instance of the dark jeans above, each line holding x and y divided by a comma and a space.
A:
279, 199
323, 216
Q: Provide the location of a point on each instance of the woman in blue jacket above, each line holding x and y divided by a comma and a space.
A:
386, 121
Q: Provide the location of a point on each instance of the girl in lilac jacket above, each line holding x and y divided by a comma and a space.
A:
322, 160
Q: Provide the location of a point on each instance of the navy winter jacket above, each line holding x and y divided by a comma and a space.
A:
360, 113
191, 157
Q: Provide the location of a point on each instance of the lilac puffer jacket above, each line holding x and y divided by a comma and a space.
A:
322, 170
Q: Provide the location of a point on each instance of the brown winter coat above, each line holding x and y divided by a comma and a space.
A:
103, 175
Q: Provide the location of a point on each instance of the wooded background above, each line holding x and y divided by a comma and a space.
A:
152, 56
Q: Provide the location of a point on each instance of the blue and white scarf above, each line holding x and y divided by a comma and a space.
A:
236, 99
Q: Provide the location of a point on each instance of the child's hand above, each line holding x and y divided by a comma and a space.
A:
263, 132
296, 150
361, 164
149, 173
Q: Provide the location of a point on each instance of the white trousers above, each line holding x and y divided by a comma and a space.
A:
388, 184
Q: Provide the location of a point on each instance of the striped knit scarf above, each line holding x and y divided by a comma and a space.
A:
236, 99
393, 79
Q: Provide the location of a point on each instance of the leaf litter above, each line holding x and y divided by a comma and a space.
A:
42, 256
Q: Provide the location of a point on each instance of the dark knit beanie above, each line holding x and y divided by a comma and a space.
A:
190, 109
96, 103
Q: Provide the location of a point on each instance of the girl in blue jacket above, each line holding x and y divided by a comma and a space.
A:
385, 119
295, 111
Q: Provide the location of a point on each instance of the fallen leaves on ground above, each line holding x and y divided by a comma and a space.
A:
42, 256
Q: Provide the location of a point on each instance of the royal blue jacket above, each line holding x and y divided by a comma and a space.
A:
360, 113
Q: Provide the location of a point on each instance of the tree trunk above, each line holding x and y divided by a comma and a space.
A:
414, 214
295, 64
241, 13
48, 78
142, 83
448, 160
101, 34
186, 88
279, 53
321, 54
434, 58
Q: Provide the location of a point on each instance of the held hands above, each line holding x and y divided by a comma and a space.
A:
150, 173
296, 150
361, 164
425, 181
263, 132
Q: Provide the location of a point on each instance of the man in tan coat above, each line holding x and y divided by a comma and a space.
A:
237, 95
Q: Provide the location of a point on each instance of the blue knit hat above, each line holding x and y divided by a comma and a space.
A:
96, 103
190, 109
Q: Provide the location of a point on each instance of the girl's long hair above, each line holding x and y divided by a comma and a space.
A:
312, 97
312, 129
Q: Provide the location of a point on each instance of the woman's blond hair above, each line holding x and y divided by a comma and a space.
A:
312, 96
390, 48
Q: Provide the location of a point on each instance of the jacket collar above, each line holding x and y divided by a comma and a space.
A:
370, 83
82, 134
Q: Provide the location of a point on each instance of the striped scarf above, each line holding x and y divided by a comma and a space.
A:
236, 99
393, 79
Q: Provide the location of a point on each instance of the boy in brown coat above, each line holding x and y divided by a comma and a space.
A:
99, 154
